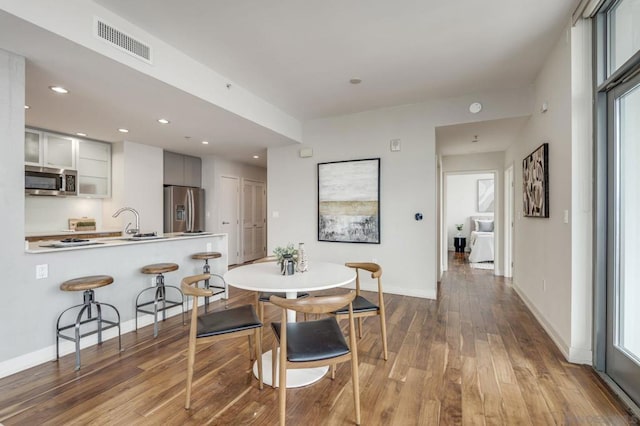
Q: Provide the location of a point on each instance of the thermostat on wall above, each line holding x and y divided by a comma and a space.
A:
306, 152
394, 145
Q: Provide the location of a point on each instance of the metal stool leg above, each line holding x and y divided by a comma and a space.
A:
77, 334
206, 270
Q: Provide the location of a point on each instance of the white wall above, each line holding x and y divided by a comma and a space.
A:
19, 287
580, 349
51, 214
407, 251
542, 247
461, 198
137, 182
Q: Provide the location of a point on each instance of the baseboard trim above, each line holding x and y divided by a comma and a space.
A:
564, 348
47, 354
401, 291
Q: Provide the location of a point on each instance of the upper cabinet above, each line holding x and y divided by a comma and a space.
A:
33, 148
182, 170
49, 150
94, 169
92, 159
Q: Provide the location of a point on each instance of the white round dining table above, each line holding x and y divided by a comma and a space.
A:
266, 277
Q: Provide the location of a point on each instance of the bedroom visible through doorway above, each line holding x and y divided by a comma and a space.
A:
469, 217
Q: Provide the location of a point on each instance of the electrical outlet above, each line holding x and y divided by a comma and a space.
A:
42, 271
209, 247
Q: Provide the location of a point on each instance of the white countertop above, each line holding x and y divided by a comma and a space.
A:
41, 246
68, 232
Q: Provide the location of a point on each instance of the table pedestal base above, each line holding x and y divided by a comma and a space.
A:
295, 377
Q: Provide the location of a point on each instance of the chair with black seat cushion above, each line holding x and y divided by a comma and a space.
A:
364, 308
214, 326
314, 343
262, 297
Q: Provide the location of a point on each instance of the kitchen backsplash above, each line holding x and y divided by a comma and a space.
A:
51, 214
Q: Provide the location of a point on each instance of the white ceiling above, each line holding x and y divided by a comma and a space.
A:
297, 55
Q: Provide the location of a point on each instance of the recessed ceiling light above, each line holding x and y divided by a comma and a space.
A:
163, 121
27, 107
81, 134
256, 156
123, 130
205, 143
355, 81
59, 89
475, 107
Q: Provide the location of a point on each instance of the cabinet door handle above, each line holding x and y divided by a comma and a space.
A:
225, 223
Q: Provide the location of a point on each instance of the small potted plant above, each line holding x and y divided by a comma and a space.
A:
459, 227
286, 258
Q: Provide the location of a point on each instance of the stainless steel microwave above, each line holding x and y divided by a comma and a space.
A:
50, 181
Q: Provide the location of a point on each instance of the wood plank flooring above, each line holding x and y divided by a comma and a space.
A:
476, 356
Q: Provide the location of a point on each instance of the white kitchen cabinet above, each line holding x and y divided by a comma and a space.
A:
49, 150
94, 169
59, 151
182, 170
33, 147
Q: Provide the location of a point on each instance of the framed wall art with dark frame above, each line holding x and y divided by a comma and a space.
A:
535, 183
349, 201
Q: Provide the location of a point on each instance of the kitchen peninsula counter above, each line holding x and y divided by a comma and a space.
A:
58, 235
43, 246
45, 268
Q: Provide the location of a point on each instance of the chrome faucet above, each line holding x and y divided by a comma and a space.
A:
129, 230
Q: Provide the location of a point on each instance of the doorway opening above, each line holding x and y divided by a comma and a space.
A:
468, 218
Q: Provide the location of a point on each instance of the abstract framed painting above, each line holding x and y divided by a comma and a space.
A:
535, 182
349, 201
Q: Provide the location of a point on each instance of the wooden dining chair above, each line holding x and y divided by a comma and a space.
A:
221, 325
314, 343
362, 307
262, 297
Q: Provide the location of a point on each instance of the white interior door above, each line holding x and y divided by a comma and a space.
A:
253, 220
230, 215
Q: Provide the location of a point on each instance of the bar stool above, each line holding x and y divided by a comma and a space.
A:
86, 284
206, 255
160, 294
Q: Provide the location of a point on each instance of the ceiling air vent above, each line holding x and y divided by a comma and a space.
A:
122, 41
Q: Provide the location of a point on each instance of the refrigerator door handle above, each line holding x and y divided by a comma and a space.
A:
188, 228
191, 211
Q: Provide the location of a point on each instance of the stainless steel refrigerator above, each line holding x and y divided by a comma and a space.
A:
183, 209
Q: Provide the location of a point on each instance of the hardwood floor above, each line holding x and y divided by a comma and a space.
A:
475, 356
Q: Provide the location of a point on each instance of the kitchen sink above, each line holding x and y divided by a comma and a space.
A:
144, 237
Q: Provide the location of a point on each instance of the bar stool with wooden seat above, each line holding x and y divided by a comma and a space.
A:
206, 269
160, 294
86, 285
